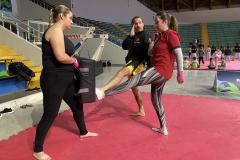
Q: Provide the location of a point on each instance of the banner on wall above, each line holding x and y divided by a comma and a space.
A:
6, 5
227, 82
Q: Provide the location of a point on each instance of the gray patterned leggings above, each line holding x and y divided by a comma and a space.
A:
149, 76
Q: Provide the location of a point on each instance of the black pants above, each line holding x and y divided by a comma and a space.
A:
55, 87
200, 59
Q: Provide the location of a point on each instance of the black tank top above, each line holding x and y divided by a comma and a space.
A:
49, 60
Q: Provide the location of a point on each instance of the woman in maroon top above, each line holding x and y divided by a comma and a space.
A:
164, 50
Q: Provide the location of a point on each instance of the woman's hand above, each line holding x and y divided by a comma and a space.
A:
180, 77
75, 63
132, 33
154, 37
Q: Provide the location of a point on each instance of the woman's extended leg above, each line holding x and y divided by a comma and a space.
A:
146, 77
116, 79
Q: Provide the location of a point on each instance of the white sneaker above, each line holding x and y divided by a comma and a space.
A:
163, 130
100, 94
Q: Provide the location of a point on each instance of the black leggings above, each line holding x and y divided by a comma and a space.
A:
55, 87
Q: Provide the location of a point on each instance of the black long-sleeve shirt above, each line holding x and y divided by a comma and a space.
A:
137, 47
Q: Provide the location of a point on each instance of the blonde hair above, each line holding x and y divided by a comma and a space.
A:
55, 12
173, 24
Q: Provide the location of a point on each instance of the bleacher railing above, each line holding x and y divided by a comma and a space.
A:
79, 21
76, 20
20, 28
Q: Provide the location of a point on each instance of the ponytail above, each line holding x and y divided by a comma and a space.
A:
173, 23
50, 18
55, 12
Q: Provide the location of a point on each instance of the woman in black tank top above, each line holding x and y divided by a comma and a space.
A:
57, 78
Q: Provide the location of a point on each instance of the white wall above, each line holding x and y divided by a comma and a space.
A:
25, 10
114, 11
58, 2
113, 53
121, 11
89, 47
216, 15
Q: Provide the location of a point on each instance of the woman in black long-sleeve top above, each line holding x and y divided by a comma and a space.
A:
57, 78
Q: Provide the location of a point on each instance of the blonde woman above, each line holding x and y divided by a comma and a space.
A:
57, 78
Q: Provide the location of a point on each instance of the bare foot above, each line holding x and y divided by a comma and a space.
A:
163, 130
89, 134
41, 156
139, 113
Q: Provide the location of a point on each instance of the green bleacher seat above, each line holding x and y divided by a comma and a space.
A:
223, 33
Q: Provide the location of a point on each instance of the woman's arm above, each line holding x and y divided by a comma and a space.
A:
56, 40
179, 56
152, 40
127, 43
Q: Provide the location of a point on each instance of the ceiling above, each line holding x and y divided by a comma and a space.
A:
188, 5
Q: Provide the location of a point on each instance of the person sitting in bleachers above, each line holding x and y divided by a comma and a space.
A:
186, 63
194, 63
211, 64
